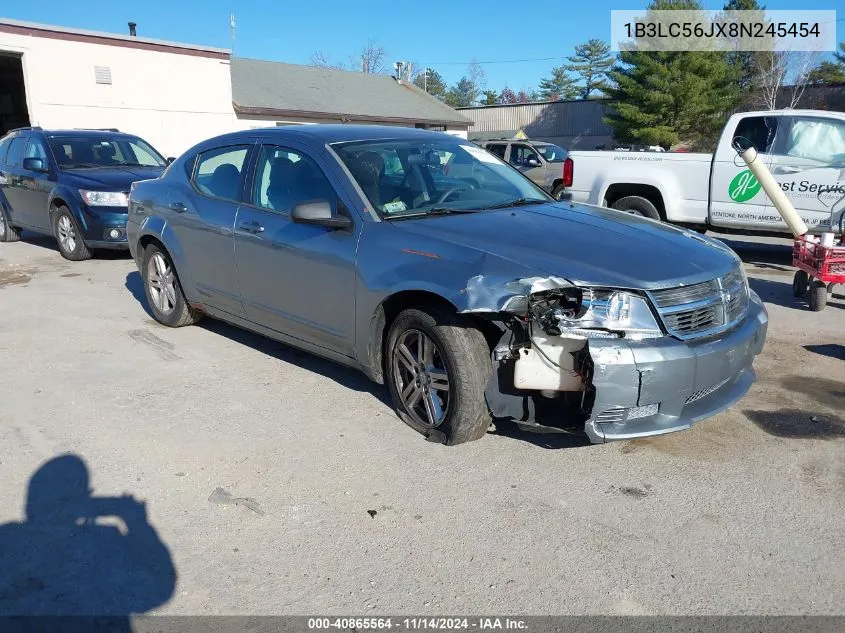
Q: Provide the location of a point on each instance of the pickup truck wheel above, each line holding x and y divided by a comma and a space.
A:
817, 297
438, 366
8, 233
164, 292
800, 284
637, 205
68, 237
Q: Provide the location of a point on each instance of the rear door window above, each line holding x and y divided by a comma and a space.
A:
220, 171
4, 147
498, 149
761, 131
16, 151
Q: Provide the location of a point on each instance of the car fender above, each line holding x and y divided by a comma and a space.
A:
70, 198
156, 227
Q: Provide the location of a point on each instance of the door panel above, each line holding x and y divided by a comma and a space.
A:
736, 198
203, 218
810, 168
36, 187
13, 184
295, 278
519, 158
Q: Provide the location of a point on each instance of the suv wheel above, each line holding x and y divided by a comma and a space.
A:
66, 232
164, 292
438, 366
8, 233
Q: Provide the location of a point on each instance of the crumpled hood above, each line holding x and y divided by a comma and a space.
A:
584, 244
108, 178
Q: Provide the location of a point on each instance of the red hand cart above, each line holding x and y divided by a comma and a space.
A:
820, 268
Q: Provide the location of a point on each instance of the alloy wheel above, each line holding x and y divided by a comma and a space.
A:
67, 234
422, 381
162, 283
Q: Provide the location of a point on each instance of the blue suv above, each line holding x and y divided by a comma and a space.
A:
72, 184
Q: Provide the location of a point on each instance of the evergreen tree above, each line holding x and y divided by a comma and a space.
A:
490, 97
748, 64
433, 84
462, 94
662, 97
559, 86
830, 72
591, 63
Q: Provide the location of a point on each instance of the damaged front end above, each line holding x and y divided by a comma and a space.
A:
572, 358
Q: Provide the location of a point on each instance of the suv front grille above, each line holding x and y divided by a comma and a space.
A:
703, 309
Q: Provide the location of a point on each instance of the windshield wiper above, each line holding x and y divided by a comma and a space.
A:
519, 202
81, 165
424, 213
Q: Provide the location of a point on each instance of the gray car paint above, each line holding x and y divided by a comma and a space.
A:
324, 290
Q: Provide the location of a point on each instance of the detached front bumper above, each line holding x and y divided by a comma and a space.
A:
652, 387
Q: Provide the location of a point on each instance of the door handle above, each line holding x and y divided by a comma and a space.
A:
251, 227
786, 169
178, 207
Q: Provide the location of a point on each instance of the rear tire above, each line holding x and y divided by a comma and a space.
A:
8, 233
817, 296
800, 284
164, 292
460, 359
557, 191
637, 205
69, 239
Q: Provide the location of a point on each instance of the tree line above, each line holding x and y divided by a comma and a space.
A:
656, 97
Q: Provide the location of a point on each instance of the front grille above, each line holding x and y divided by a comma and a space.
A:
698, 395
704, 308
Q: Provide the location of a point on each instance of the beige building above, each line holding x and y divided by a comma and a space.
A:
175, 94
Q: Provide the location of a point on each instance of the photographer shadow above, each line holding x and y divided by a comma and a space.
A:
79, 555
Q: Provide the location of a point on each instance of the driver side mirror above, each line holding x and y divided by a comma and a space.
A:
319, 213
532, 161
34, 164
170, 159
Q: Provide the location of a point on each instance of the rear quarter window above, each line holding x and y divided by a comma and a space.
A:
4, 147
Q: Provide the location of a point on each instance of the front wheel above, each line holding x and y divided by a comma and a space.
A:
68, 237
817, 296
438, 366
164, 292
800, 283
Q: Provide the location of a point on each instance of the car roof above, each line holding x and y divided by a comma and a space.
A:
86, 133
328, 133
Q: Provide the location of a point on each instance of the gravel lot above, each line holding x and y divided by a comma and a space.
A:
743, 514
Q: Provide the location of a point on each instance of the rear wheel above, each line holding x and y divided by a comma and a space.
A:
817, 296
637, 205
68, 237
438, 366
164, 292
557, 192
8, 233
800, 284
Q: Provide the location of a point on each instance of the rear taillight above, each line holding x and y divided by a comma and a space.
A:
568, 169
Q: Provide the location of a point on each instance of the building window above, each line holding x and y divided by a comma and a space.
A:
102, 75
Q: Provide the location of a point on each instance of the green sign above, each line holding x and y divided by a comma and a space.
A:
743, 187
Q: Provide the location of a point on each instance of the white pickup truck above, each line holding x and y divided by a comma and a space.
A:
804, 149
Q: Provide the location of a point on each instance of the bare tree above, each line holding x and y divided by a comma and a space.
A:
779, 70
319, 58
477, 75
372, 58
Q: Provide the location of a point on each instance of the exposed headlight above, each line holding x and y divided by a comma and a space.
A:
104, 198
609, 313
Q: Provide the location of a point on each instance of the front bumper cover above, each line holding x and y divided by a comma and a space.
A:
689, 380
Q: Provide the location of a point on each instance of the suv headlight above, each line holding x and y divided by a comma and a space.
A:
104, 198
608, 314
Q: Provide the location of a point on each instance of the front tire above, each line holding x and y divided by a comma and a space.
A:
817, 296
637, 205
8, 233
164, 292
68, 237
800, 284
437, 367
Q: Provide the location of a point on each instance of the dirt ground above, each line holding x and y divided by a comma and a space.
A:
279, 483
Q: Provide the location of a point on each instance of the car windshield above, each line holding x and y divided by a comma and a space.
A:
552, 153
412, 177
104, 151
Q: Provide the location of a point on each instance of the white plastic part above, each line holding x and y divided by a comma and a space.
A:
827, 240
774, 192
548, 365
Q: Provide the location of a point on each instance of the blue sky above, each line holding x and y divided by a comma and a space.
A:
438, 33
